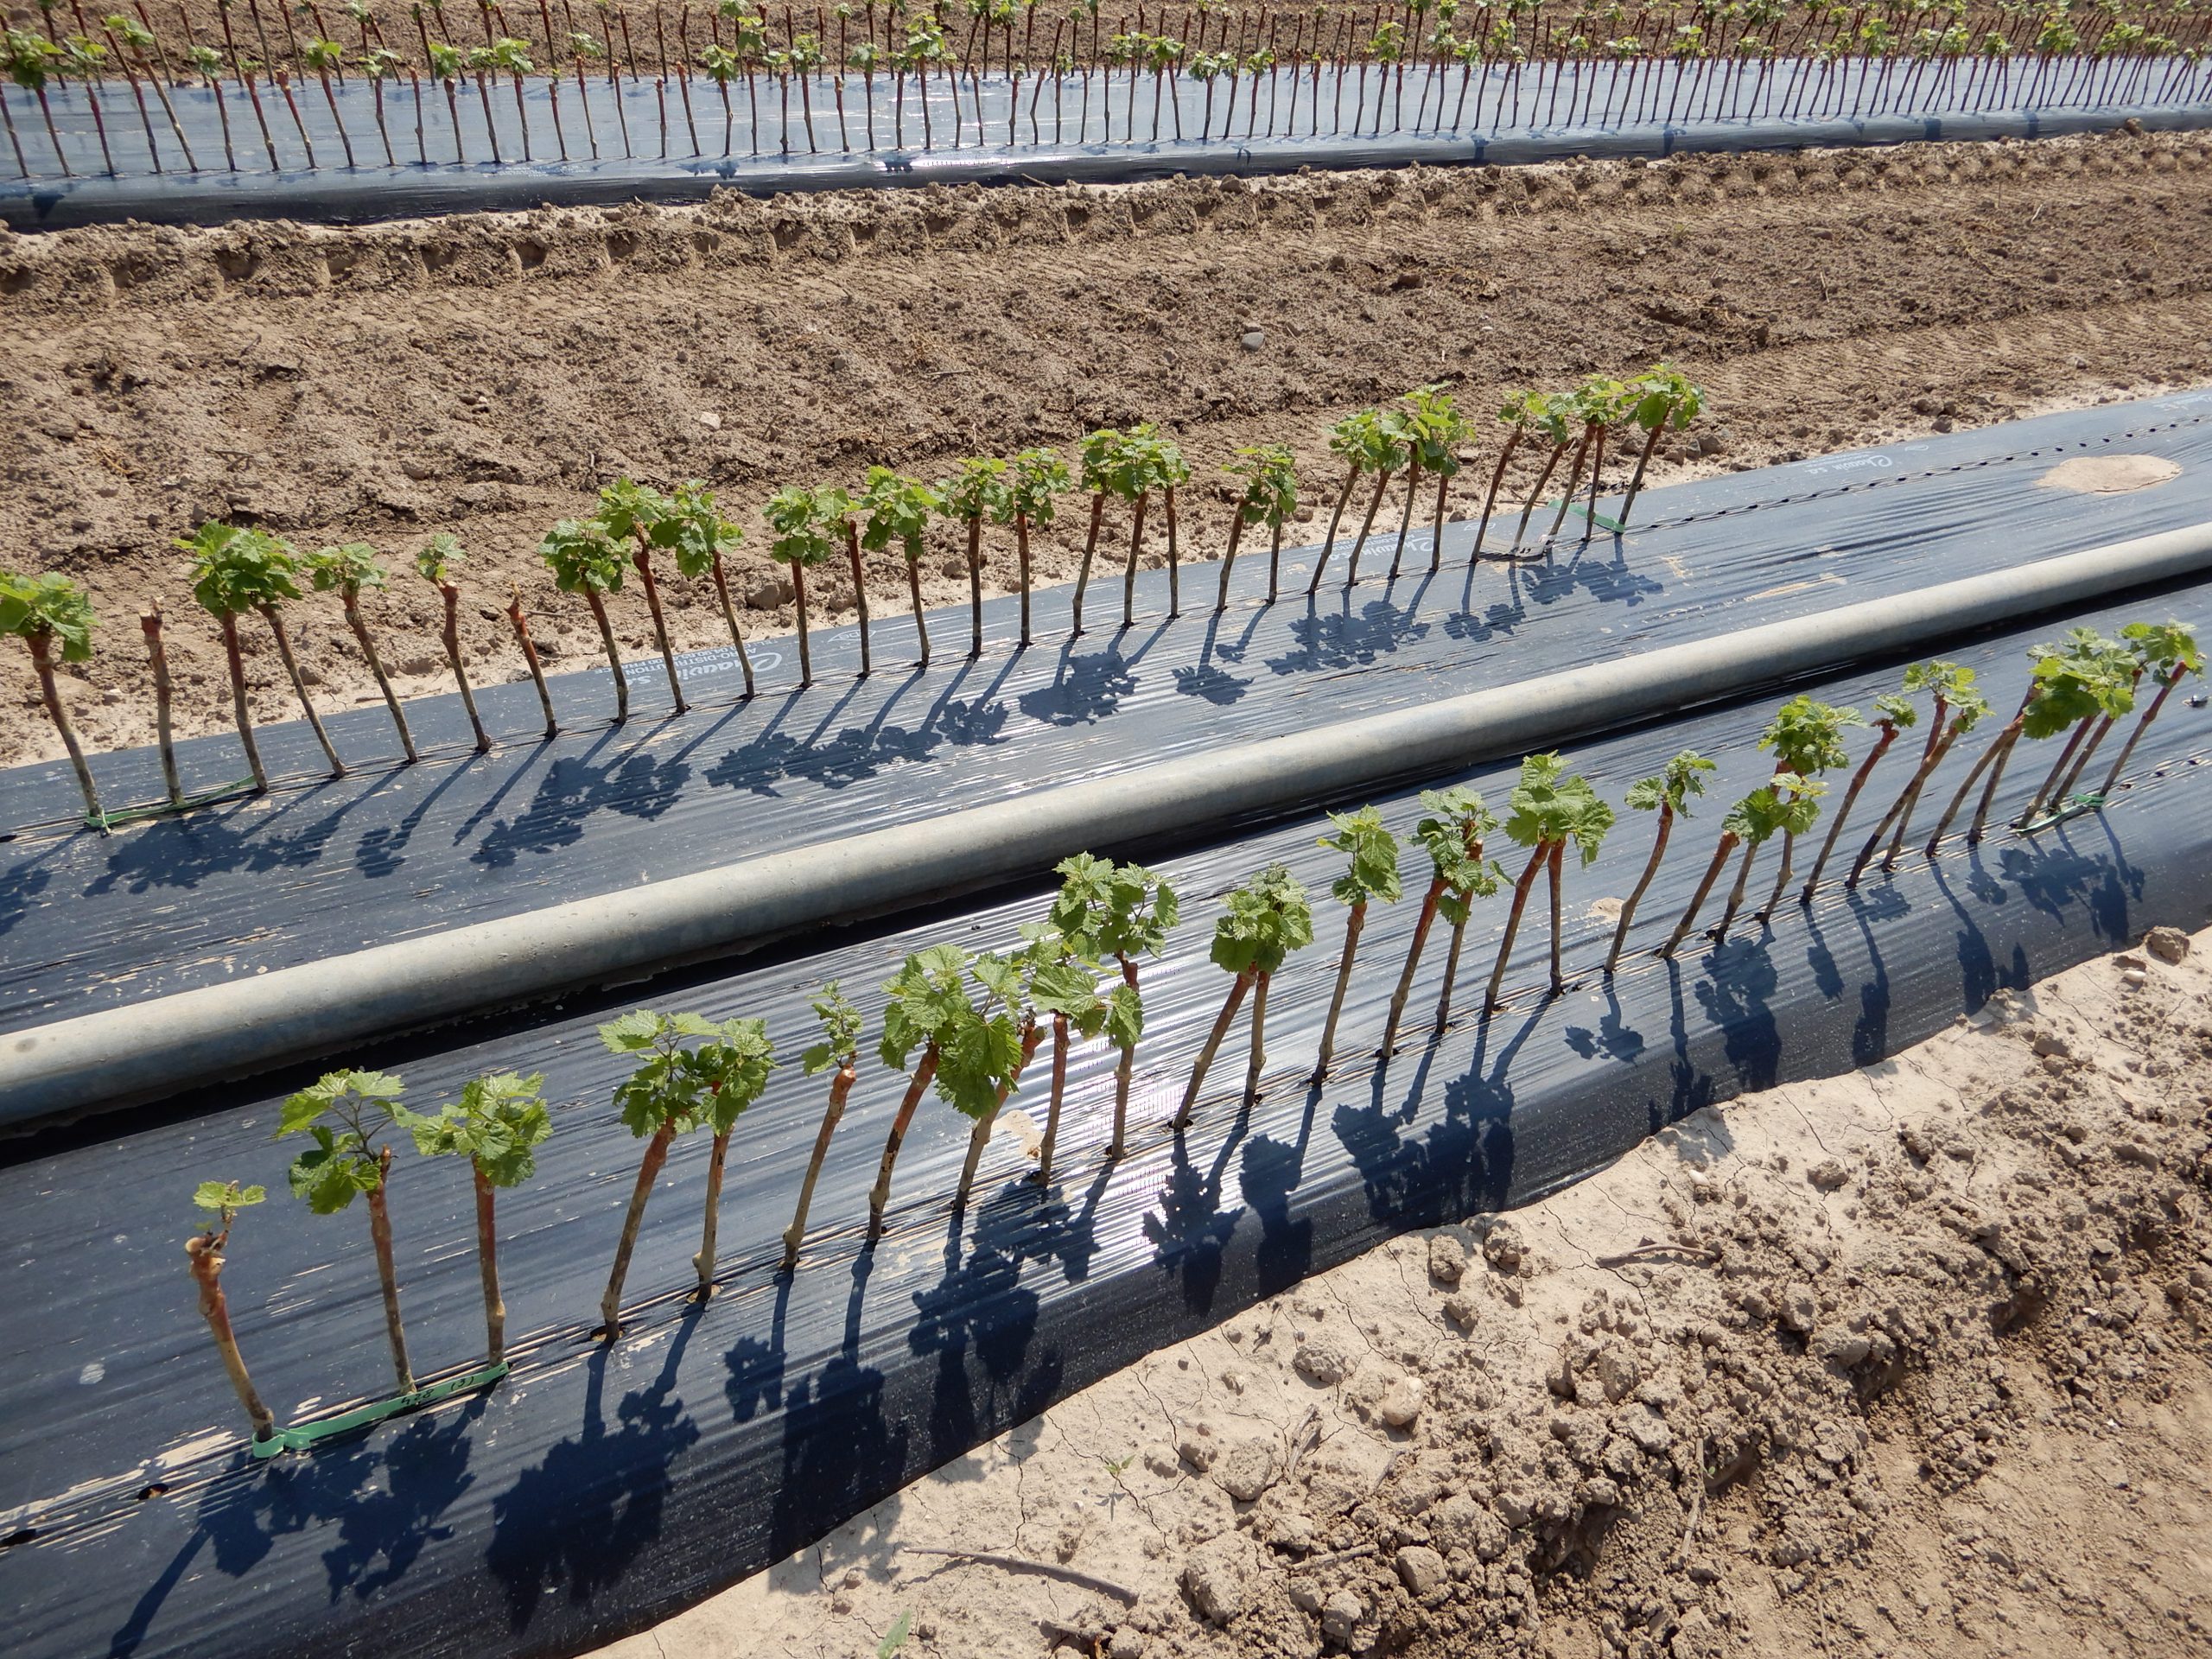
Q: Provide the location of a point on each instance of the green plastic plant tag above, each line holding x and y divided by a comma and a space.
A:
301, 1437
1581, 512
105, 820
2074, 807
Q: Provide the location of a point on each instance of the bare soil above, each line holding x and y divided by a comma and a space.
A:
1913, 1361
486, 374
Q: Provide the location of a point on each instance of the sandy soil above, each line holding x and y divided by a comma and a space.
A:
486, 374
1916, 1360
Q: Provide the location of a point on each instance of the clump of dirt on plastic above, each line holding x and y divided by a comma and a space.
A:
1914, 1360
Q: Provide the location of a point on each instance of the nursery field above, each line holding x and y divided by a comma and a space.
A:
1314, 914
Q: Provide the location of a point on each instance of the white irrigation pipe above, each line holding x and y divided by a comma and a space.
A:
120, 1056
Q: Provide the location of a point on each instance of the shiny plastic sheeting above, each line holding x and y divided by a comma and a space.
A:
320, 869
599, 1488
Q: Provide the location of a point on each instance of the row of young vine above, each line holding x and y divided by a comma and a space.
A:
1418, 440
1546, 65
966, 1027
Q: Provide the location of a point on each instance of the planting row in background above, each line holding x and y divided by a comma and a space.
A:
967, 1026
246, 91
237, 570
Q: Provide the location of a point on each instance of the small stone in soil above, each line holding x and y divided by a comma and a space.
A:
1646, 1428
1502, 1247
1215, 1581
1617, 1371
1403, 1401
1196, 1447
1798, 1310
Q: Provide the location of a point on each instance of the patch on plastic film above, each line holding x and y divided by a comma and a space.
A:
2110, 474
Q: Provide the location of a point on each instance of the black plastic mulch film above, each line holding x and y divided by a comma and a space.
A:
601, 1487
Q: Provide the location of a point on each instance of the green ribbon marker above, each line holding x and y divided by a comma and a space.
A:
1597, 519
303, 1437
2075, 807
105, 821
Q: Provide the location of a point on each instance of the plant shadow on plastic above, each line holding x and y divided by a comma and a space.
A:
840, 1449
1086, 689
637, 785
2055, 877
575, 783
1342, 639
387, 1494
20, 886
181, 853
575, 1522
856, 754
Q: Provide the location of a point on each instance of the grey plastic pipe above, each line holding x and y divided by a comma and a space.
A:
119, 1057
